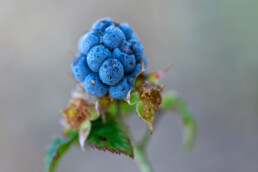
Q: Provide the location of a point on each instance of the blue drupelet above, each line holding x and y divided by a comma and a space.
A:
126, 47
96, 56
80, 68
88, 40
120, 90
109, 59
111, 71
128, 60
137, 48
102, 24
94, 86
113, 37
126, 28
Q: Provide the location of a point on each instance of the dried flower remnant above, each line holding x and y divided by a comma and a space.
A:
76, 112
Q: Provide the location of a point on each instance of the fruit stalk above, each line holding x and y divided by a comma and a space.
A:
141, 158
139, 154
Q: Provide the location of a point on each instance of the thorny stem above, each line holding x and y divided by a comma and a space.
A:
139, 154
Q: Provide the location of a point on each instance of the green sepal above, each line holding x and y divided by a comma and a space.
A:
93, 112
132, 97
84, 132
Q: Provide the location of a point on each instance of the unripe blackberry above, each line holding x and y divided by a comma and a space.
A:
110, 56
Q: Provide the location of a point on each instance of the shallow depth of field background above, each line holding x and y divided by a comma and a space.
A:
213, 45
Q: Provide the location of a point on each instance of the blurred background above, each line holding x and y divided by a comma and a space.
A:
213, 45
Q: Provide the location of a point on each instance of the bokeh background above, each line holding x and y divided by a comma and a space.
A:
213, 45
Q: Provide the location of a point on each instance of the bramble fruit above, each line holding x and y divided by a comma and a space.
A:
110, 56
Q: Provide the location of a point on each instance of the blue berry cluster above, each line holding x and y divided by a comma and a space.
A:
109, 58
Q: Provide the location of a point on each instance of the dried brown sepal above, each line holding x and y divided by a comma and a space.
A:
76, 112
150, 93
150, 97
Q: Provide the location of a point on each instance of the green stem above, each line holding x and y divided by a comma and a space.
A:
141, 158
139, 154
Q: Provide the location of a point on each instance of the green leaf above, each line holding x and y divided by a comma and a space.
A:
173, 101
146, 116
111, 136
57, 149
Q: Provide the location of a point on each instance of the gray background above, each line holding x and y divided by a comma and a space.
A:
212, 44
